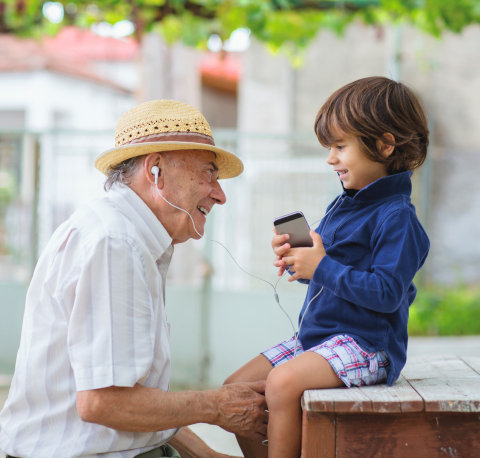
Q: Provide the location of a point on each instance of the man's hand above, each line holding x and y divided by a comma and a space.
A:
242, 409
302, 262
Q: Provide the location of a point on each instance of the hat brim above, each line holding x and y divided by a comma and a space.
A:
228, 164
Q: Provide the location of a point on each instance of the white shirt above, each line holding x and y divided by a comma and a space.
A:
94, 317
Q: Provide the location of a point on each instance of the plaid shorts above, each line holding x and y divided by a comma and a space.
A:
353, 365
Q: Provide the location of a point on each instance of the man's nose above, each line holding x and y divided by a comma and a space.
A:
217, 194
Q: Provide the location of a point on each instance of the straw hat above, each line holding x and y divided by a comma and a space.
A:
165, 125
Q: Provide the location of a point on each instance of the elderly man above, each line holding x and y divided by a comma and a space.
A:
93, 367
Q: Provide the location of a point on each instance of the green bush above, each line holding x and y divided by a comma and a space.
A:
445, 311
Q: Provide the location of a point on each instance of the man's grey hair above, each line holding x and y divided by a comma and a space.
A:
122, 172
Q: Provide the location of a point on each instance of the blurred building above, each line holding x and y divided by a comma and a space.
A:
75, 81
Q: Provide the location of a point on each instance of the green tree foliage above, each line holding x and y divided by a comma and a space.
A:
442, 311
280, 24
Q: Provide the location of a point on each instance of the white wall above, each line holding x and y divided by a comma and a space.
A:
88, 105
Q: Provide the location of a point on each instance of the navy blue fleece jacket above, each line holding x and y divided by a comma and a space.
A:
375, 245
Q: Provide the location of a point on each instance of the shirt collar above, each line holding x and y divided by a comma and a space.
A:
148, 225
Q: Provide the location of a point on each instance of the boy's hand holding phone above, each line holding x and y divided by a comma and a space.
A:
296, 246
303, 261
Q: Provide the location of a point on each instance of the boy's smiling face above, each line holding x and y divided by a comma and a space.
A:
355, 169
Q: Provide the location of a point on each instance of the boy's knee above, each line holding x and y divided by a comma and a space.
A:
281, 386
234, 378
230, 379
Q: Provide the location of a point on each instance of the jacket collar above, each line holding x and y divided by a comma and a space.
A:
398, 183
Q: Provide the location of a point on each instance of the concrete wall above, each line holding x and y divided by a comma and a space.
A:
169, 72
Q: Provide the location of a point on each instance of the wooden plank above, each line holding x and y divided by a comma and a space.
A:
400, 397
336, 400
318, 435
420, 434
318, 401
445, 384
473, 362
441, 367
451, 396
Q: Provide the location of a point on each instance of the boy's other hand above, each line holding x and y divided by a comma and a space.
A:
280, 247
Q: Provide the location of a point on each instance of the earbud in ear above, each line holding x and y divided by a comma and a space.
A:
155, 171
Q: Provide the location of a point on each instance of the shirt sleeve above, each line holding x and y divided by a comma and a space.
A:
110, 339
400, 247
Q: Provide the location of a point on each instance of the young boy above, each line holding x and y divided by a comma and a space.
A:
366, 252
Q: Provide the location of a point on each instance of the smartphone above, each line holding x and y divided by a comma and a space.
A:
296, 226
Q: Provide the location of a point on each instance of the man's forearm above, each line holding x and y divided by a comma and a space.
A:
144, 409
237, 407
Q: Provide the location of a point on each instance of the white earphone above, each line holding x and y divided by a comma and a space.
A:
155, 171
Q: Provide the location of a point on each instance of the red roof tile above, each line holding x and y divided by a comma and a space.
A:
70, 52
84, 44
221, 71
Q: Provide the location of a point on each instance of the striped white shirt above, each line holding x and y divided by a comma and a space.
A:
94, 317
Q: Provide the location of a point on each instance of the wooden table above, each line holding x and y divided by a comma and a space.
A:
433, 410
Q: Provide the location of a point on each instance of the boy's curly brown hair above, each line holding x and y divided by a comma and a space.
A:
368, 109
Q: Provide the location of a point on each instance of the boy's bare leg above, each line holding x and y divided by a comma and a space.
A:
256, 369
285, 386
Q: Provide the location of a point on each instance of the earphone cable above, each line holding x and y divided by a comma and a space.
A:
274, 286
301, 321
296, 334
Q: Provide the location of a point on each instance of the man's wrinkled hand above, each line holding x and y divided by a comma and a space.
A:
242, 409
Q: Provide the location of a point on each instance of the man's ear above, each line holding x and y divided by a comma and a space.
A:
386, 148
153, 167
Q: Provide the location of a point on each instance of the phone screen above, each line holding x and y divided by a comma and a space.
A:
296, 226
